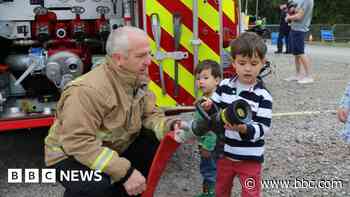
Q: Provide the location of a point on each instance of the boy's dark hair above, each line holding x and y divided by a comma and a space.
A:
248, 44
209, 64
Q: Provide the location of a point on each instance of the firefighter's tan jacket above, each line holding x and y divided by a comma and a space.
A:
99, 115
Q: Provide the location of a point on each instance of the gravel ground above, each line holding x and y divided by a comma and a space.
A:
302, 149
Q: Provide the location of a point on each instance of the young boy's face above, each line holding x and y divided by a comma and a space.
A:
248, 69
206, 81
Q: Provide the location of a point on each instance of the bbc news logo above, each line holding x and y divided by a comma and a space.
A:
31, 175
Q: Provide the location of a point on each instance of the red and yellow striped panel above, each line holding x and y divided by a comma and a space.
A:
208, 28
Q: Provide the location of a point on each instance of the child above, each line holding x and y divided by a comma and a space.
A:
208, 75
244, 143
343, 114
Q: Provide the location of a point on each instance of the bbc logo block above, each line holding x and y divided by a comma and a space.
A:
48, 176
31, 175
14, 175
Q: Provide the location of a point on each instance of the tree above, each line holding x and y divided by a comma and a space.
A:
325, 11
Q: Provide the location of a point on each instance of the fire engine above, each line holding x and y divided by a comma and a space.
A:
47, 43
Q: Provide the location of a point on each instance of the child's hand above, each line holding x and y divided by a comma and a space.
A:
342, 114
204, 153
207, 104
241, 128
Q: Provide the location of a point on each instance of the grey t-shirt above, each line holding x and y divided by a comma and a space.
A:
303, 24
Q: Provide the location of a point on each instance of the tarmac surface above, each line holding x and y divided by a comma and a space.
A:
303, 147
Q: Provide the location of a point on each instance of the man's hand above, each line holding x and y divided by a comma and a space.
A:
342, 114
136, 184
241, 128
182, 131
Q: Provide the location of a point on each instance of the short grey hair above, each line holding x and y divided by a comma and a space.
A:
118, 39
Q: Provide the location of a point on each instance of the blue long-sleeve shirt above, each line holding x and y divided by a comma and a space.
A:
345, 100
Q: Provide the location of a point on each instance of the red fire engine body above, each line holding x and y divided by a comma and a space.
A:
47, 43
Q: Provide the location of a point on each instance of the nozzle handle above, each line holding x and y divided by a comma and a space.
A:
205, 115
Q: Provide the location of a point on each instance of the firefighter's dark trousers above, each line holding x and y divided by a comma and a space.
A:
140, 154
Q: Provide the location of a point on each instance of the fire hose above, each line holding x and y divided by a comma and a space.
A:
166, 149
239, 112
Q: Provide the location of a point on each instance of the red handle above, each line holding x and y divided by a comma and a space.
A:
166, 148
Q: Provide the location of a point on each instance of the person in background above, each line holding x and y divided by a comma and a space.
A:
343, 114
283, 30
300, 24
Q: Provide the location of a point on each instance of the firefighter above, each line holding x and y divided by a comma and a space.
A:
106, 121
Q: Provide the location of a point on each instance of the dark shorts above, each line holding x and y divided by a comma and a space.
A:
296, 42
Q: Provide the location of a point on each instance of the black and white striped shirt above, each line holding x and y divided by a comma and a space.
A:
249, 146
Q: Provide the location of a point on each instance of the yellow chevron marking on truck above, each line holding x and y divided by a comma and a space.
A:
162, 100
184, 75
229, 9
205, 52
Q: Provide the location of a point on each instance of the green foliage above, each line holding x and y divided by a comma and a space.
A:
325, 11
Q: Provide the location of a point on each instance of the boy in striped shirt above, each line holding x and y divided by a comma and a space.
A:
243, 151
